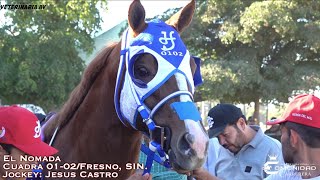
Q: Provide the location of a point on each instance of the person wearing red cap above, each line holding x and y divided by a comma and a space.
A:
300, 139
20, 133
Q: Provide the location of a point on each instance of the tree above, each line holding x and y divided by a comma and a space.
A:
257, 51
39, 50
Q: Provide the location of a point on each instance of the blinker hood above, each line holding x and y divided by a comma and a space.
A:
164, 43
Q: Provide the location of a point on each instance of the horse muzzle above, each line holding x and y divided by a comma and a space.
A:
190, 152
185, 159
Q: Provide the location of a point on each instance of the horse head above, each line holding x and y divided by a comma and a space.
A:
155, 86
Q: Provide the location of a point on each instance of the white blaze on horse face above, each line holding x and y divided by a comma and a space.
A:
193, 127
201, 137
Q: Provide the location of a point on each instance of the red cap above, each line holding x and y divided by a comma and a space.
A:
21, 128
303, 109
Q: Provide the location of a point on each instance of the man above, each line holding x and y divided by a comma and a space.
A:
245, 149
20, 133
251, 121
300, 139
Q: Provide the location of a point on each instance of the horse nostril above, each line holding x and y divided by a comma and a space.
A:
185, 144
189, 138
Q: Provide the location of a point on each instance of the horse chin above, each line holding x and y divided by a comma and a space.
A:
184, 165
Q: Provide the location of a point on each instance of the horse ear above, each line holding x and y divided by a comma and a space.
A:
136, 17
182, 19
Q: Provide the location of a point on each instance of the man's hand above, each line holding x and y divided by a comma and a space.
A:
202, 174
138, 176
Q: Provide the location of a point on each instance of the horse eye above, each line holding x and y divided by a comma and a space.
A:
141, 72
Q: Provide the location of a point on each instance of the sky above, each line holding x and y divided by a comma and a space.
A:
118, 10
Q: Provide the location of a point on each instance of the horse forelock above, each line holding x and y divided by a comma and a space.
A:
78, 95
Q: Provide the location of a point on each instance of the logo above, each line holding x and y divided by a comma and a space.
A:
2, 132
210, 121
302, 116
165, 41
272, 166
37, 130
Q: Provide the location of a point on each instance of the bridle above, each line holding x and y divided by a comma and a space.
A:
127, 87
133, 92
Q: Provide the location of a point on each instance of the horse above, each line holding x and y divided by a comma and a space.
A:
101, 124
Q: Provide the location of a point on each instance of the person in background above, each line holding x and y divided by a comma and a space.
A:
274, 127
20, 133
300, 139
250, 121
243, 150
274, 131
40, 116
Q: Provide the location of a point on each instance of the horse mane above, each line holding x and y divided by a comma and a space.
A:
80, 92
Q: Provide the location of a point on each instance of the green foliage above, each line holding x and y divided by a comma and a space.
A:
39, 50
265, 50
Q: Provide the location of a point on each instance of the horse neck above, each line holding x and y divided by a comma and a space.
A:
95, 133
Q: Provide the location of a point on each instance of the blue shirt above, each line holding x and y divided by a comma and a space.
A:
248, 163
213, 150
